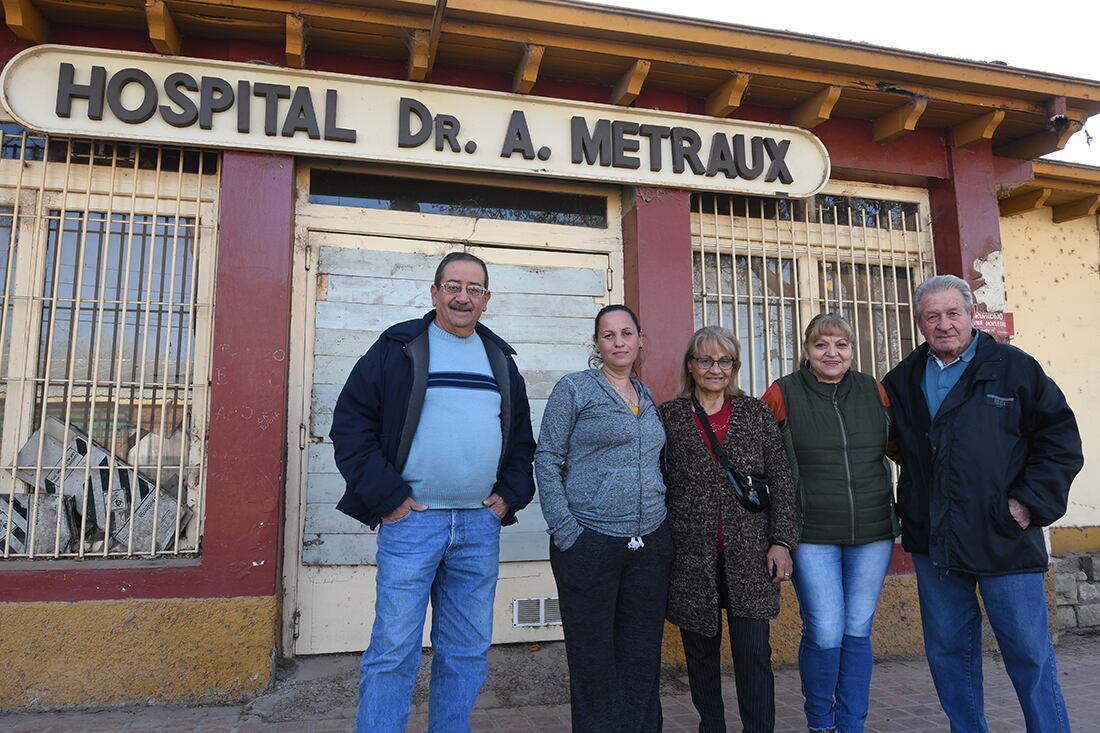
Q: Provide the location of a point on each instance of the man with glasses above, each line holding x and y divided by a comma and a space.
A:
432, 433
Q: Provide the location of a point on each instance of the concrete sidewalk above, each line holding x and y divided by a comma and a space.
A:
527, 691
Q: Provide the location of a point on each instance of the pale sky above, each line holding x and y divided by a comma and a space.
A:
1059, 39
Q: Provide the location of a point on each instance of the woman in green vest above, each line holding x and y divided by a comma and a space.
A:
836, 423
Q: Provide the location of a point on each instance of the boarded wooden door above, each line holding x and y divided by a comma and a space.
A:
543, 303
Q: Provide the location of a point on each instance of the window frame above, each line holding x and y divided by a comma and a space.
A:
48, 192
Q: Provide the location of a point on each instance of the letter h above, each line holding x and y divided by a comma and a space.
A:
67, 90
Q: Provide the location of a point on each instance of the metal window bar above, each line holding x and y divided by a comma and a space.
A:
764, 267
107, 269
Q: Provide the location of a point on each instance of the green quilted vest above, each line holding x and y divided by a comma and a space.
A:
836, 439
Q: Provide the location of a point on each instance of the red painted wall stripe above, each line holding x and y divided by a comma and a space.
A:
247, 437
657, 280
965, 214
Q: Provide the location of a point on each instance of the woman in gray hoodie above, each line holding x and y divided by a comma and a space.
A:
610, 546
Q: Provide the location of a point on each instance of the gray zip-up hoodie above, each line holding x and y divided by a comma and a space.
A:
613, 483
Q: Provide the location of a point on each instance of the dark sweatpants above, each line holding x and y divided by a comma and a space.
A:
752, 670
613, 612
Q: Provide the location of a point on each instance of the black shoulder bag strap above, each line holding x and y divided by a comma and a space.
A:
751, 491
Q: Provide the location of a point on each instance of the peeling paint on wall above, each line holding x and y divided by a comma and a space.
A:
992, 291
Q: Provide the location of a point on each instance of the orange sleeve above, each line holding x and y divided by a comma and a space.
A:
773, 398
893, 450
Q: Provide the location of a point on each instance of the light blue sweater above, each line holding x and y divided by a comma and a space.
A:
453, 458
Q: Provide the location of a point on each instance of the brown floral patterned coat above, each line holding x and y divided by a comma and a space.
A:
698, 490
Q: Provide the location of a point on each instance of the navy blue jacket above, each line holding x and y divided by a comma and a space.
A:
378, 411
1003, 431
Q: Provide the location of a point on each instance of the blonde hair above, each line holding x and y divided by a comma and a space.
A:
832, 324
710, 336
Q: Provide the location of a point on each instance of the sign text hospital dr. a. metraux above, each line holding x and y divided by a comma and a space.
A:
132, 96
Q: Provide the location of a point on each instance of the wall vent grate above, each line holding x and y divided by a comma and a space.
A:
533, 612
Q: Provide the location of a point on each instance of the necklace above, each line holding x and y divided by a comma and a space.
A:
624, 393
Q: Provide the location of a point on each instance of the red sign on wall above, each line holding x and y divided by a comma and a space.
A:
997, 325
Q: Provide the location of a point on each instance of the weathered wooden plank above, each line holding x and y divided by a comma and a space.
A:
524, 545
565, 357
324, 395
332, 370
514, 329
538, 305
360, 317
340, 342
547, 280
340, 549
540, 382
546, 330
320, 423
377, 290
569, 356
321, 458
323, 518
538, 406
325, 488
418, 266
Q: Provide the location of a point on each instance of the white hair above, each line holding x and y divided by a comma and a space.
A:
941, 284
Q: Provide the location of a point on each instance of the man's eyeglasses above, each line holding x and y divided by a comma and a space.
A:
705, 362
474, 291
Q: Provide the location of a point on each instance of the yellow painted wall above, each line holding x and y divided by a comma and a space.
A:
116, 652
1052, 277
897, 630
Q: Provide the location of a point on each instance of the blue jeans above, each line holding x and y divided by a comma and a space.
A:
451, 556
838, 588
1017, 609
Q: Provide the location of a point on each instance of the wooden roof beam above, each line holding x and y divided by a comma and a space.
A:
1078, 209
694, 42
1021, 202
1039, 144
979, 128
162, 28
899, 121
436, 32
527, 73
726, 98
815, 110
698, 58
418, 55
630, 83
297, 39
25, 21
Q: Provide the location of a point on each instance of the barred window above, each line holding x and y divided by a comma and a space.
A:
763, 267
107, 259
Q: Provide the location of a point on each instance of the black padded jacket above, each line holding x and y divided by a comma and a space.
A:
1005, 430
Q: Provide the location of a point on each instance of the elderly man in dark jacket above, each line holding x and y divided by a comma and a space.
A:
988, 450
432, 433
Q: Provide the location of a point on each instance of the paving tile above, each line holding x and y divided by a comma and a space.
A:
903, 700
